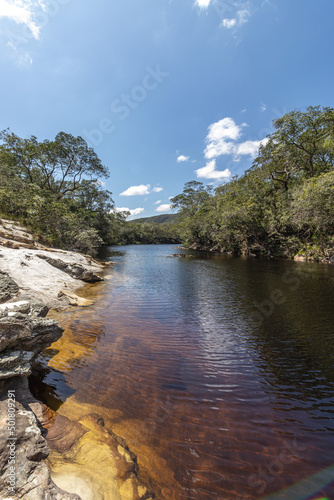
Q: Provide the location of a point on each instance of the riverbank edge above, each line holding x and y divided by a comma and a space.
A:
307, 255
33, 279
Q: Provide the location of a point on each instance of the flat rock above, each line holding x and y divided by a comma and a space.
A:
39, 272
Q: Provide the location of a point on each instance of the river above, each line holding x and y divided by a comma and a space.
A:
221, 370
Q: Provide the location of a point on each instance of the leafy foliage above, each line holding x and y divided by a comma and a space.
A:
149, 232
283, 205
54, 188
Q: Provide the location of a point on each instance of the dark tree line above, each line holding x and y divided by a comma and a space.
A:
283, 205
54, 188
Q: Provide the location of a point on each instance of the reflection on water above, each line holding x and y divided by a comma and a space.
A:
221, 371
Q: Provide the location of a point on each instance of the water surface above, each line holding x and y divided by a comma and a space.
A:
221, 370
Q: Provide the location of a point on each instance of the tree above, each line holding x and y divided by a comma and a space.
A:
193, 196
282, 205
313, 205
54, 187
62, 166
300, 146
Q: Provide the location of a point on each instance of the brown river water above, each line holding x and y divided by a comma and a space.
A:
217, 372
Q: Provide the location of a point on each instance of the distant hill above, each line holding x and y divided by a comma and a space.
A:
158, 219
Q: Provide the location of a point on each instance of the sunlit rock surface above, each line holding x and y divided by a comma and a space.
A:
32, 479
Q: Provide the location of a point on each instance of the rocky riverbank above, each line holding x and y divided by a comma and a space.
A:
28, 268
87, 459
24, 333
309, 254
32, 279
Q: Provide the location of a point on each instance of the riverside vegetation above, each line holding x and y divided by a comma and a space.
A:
34, 278
55, 188
282, 206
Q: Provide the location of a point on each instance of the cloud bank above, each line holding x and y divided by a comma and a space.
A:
164, 208
137, 190
222, 140
135, 211
141, 190
22, 12
210, 172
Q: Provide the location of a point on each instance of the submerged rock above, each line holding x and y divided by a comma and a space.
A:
87, 457
182, 255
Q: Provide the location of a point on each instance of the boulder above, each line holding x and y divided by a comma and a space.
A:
300, 258
27, 446
75, 270
15, 363
74, 299
27, 334
12, 331
24, 333
8, 287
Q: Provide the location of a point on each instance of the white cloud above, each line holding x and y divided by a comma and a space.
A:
249, 148
136, 190
182, 158
157, 202
216, 138
120, 209
241, 17
22, 12
229, 23
157, 189
222, 140
135, 211
263, 107
224, 129
210, 172
22, 57
164, 208
203, 3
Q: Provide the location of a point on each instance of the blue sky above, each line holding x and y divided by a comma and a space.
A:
166, 91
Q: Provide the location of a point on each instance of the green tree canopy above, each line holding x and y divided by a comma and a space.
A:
282, 205
63, 166
300, 147
55, 188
